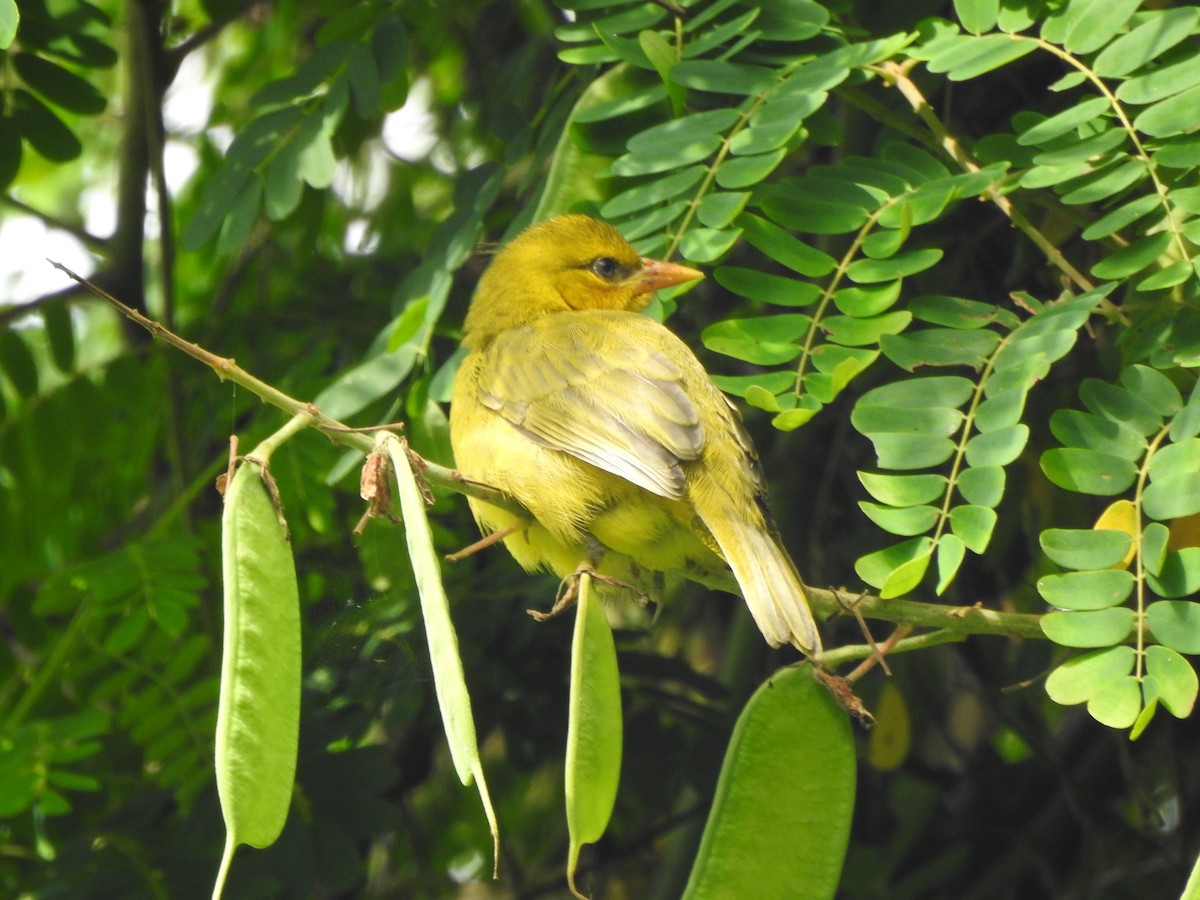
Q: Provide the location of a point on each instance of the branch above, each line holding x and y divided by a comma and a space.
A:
228, 370
206, 33
897, 75
85, 237
951, 622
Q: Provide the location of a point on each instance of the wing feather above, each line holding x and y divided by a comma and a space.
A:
593, 390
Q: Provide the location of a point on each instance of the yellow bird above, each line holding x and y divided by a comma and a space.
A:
605, 426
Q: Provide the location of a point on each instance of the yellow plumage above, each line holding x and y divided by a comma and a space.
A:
605, 426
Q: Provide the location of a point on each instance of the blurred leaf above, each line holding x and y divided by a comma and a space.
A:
44, 131
10, 17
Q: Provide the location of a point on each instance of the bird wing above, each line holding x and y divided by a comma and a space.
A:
591, 385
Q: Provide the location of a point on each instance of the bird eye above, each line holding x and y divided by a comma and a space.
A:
606, 267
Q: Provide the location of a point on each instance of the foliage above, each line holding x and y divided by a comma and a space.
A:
952, 260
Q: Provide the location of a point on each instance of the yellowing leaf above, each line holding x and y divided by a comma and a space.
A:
889, 740
1121, 516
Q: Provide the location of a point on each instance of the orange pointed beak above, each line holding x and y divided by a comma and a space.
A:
656, 274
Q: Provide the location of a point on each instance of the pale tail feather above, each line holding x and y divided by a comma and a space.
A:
770, 586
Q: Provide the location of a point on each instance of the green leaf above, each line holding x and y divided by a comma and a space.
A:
1088, 150
785, 799
903, 490
1155, 388
1176, 679
1175, 624
907, 558
814, 215
1088, 471
1174, 274
719, 77
258, 718
911, 451
1092, 628
594, 727
976, 56
44, 131
935, 420
1081, 678
1155, 538
784, 248
652, 193
867, 300
997, 448
1067, 120
951, 552
1080, 429
1173, 496
61, 335
1093, 23
982, 485
10, 18
943, 390
1179, 574
973, 525
1075, 548
365, 383
1118, 703
666, 155
953, 312
748, 171
1170, 116
58, 85
1120, 405
905, 522
771, 382
767, 288
1186, 425
1098, 589
1104, 182
766, 340
18, 363
859, 332
10, 148
939, 347
1162, 82
872, 271
707, 245
977, 16
1147, 42
1002, 410
719, 209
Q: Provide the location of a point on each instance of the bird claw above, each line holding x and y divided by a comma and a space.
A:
568, 592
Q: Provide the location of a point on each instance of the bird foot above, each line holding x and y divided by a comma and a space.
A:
568, 592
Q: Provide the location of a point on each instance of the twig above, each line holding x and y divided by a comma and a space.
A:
952, 622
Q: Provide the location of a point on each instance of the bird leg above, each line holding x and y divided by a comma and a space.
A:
483, 543
568, 591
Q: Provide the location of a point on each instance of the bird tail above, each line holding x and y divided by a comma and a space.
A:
770, 585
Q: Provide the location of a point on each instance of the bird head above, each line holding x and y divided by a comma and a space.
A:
565, 263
